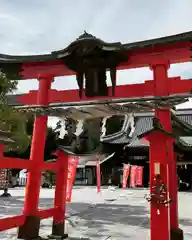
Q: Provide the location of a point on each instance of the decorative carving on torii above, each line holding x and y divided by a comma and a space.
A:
90, 58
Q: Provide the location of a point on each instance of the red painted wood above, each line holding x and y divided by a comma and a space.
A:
163, 88
17, 221
60, 188
173, 53
73, 95
175, 86
164, 146
178, 85
16, 163
159, 224
49, 166
37, 153
11, 222
173, 186
46, 213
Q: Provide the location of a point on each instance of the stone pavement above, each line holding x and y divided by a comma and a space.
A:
114, 214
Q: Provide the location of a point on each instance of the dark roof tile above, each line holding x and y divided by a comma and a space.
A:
143, 124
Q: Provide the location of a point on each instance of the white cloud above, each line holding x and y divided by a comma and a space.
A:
33, 27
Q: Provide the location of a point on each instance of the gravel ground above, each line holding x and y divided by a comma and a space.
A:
113, 214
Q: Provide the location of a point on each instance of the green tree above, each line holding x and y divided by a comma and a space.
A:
10, 119
89, 139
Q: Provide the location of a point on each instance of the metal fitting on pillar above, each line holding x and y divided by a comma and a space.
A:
158, 194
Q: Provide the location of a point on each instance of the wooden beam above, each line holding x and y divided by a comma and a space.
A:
144, 57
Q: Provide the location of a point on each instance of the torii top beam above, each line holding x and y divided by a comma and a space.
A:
89, 57
173, 49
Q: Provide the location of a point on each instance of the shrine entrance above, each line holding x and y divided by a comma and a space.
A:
89, 59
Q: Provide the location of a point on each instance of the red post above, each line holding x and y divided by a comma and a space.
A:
176, 232
31, 227
168, 173
58, 227
159, 214
173, 187
98, 175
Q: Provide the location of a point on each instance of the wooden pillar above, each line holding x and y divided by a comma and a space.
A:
176, 232
168, 167
173, 187
30, 229
58, 226
159, 213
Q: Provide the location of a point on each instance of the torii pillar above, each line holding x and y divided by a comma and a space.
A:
58, 225
30, 229
164, 221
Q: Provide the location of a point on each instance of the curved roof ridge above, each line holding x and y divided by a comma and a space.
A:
123, 130
181, 37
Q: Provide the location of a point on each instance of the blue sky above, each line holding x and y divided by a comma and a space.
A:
41, 26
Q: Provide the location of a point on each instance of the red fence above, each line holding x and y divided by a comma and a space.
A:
19, 220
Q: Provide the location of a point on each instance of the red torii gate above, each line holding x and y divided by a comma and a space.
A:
157, 54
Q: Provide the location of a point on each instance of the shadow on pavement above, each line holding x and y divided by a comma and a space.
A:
92, 220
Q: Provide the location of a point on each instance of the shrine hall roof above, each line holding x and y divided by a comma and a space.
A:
88, 159
144, 123
11, 64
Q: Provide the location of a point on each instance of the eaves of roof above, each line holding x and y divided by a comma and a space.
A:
143, 125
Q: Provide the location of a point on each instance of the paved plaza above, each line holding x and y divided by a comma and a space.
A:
114, 214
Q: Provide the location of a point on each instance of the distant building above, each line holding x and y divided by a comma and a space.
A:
133, 150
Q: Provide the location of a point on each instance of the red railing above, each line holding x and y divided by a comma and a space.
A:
19, 220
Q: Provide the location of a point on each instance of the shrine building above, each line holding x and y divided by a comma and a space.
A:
121, 147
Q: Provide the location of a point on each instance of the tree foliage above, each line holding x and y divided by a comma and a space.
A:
89, 139
50, 144
10, 119
93, 126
